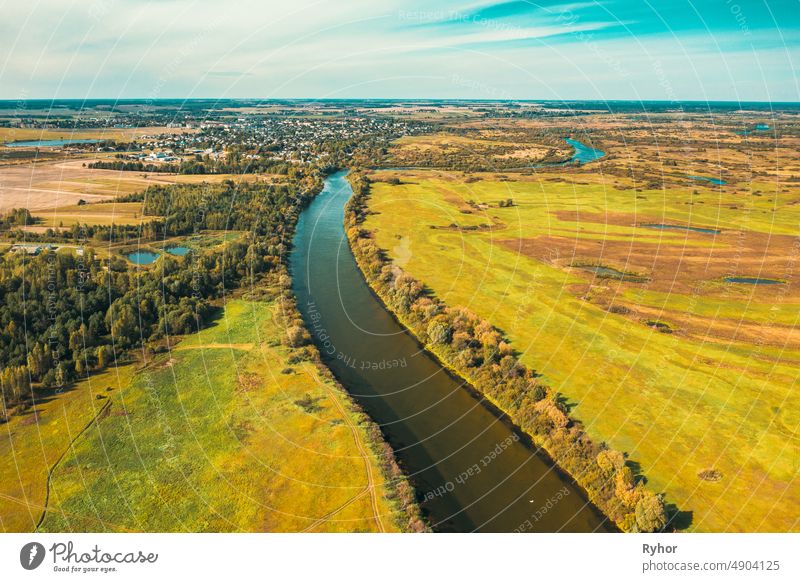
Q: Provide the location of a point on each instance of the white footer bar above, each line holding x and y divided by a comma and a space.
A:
389, 558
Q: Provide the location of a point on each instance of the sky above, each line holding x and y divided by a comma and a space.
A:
668, 50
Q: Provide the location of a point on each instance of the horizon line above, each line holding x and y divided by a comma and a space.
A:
395, 99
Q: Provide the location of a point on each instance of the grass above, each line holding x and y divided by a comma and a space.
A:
101, 213
32, 442
206, 438
714, 395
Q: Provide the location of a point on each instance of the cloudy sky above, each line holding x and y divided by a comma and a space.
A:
735, 50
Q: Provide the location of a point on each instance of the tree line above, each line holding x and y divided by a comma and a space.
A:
200, 165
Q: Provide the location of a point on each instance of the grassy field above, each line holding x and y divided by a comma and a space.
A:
712, 394
220, 434
31, 443
101, 213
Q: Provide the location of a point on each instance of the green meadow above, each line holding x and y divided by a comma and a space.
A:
225, 432
33, 442
689, 375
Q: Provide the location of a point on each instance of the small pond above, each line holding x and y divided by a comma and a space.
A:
679, 227
753, 281
178, 251
612, 273
716, 181
142, 257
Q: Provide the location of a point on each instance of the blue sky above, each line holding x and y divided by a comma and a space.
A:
736, 50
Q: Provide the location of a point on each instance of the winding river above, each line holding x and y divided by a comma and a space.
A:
472, 470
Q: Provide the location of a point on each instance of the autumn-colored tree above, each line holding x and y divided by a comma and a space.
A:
650, 513
610, 461
439, 330
296, 336
15, 383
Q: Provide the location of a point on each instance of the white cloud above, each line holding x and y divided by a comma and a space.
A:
201, 48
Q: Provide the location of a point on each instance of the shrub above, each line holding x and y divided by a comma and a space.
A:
297, 336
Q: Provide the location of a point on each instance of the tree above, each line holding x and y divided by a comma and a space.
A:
439, 331
123, 326
15, 383
297, 336
610, 461
650, 514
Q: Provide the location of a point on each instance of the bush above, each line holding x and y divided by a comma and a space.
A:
297, 336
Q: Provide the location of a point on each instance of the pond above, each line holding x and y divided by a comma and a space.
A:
758, 127
612, 273
178, 251
142, 257
716, 181
49, 143
753, 281
680, 227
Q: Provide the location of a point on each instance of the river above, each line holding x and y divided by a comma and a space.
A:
472, 470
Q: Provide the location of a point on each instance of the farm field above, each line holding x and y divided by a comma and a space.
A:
220, 434
49, 185
633, 322
12, 134
99, 213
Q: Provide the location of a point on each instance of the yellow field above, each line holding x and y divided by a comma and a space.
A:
444, 150
715, 394
33, 442
102, 213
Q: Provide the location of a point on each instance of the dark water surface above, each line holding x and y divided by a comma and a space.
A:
681, 227
612, 273
716, 181
471, 470
753, 281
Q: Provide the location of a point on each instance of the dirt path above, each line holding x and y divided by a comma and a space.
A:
181, 347
371, 487
94, 419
